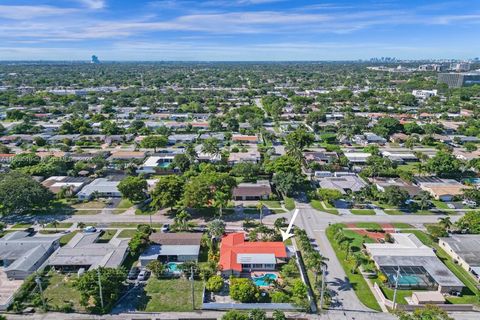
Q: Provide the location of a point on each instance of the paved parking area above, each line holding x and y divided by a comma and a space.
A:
7, 287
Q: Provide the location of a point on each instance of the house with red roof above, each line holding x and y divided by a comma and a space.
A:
238, 255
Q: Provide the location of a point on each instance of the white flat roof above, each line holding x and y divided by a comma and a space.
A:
260, 258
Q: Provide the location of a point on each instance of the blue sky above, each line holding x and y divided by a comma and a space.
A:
238, 29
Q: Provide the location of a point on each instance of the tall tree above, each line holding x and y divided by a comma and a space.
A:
133, 188
111, 280
168, 191
19, 194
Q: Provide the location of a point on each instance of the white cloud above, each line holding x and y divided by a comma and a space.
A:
94, 4
31, 12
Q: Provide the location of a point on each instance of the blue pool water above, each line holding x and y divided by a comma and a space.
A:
173, 267
263, 280
164, 165
473, 180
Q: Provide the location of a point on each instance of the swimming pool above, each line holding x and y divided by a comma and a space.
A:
172, 267
473, 180
164, 165
263, 281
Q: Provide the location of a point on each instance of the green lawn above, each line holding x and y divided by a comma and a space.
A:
317, 205
127, 233
124, 204
21, 226
60, 225
401, 225
90, 205
359, 284
271, 204
394, 212
171, 295
107, 235
368, 225
59, 291
440, 204
401, 294
363, 212
66, 238
289, 203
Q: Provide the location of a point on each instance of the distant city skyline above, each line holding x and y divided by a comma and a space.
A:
238, 30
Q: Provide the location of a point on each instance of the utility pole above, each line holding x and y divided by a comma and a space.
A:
324, 269
396, 286
39, 283
193, 288
100, 287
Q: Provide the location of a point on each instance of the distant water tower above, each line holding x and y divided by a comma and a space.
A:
95, 60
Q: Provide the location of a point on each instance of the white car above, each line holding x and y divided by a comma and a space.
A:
469, 203
90, 229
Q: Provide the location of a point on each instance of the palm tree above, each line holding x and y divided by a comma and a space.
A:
210, 146
181, 221
359, 259
220, 201
315, 262
216, 228
424, 200
346, 243
445, 223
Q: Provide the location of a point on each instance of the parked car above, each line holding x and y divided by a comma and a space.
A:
143, 275
133, 273
165, 228
90, 229
469, 203
450, 205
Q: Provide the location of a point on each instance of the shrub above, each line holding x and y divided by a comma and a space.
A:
243, 290
214, 284
279, 297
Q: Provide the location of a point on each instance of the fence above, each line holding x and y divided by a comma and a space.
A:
249, 306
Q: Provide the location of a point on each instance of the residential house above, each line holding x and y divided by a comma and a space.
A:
172, 247
22, 253
251, 156
344, 184
399, 155
127, 155
357, 158
238, 255
418, 264
252, 191
464, 250
101, 187
381, 183
84, 251
369, 138
73, 184
158, 163
441, 189
320, 156
240, 138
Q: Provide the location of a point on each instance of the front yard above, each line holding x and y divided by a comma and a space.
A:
59, 292
171, 295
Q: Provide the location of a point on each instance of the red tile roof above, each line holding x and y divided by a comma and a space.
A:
234, 244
